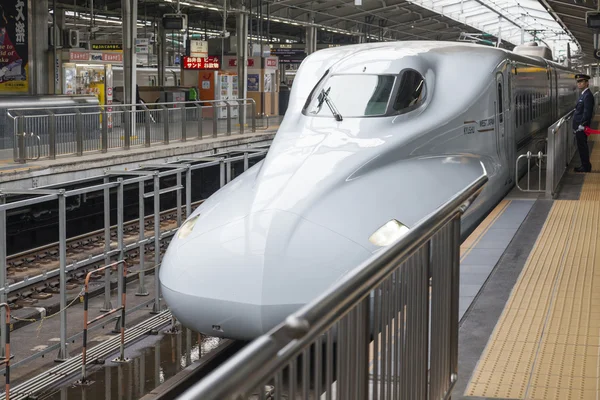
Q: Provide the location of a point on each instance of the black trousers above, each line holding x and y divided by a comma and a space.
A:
584, 151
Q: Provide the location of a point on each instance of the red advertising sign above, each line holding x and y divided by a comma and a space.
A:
205, 63
79, 56
112, 57
271, 62
233, 62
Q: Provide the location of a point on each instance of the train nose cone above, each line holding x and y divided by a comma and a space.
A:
241, 279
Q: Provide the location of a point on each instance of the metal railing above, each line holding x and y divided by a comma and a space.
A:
561, 147
539, 159
398, 309
111, 181
58, 131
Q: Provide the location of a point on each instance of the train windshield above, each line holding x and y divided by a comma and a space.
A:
354, 96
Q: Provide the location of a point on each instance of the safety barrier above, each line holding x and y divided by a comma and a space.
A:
539, 157
6, 359
561, 147
114, 248
122, 266
400, 307
57, 131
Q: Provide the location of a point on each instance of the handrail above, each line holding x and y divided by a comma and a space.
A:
120, 105
276, 349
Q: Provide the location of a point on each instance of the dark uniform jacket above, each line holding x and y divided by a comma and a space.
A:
584, 109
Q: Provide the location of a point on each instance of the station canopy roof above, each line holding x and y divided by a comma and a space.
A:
513, 21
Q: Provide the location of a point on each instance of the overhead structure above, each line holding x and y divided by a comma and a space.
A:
571, 14
501, 22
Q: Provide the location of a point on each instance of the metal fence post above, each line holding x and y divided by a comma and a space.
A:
141, 291
63, 354
246, 161
21, 149
128, 132
178, 183
156, 306
215, 125
104, 139
200, 120
52, 135
228, 118
183, 123
107, 303
147, 117
253, 111
188, 191
78, 132
242, 115
222, 172
165, 112
3, 281
121, 247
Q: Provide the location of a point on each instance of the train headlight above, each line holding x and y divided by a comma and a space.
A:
389, 233
187, 227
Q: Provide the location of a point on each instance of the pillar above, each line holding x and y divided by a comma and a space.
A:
129, 63
38, 47
242, 59
311, 39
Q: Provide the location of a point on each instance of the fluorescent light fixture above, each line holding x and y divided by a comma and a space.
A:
187, 227
388, 233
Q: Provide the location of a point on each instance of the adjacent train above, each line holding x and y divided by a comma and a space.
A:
375, 138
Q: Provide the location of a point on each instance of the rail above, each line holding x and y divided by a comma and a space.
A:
399, 308
64, 131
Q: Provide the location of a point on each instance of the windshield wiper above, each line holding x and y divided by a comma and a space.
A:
324, 96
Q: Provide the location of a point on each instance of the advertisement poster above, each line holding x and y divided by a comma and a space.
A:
13, 46
253, 82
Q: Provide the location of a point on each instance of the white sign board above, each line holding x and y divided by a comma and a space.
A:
198, 48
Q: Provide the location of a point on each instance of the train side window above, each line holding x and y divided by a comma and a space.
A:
411, 91
500, 104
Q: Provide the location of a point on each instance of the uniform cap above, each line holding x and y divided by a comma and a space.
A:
581, 77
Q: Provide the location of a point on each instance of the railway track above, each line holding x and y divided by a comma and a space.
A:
45, 259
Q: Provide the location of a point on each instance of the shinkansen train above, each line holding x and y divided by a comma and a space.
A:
375, 138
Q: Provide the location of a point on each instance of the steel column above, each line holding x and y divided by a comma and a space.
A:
63, 354
156, 306
121, 247
142, 217
51, 136
79, 132
104, 139
107, 303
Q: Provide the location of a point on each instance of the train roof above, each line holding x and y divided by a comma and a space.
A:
388, 51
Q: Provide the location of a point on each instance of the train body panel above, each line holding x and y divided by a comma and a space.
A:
373, 134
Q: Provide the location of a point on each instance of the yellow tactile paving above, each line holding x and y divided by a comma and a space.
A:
477, 234
546, 344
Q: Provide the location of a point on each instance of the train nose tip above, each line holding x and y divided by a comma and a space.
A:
243, 278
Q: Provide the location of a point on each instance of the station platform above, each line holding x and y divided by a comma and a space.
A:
530, 295
65, 168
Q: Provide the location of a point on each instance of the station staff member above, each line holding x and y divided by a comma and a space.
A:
582, 117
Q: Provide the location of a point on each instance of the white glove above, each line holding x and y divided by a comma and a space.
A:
580, 128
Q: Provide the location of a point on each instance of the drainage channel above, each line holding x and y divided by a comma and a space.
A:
32, 387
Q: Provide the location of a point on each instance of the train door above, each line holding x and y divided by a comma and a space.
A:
502, 122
